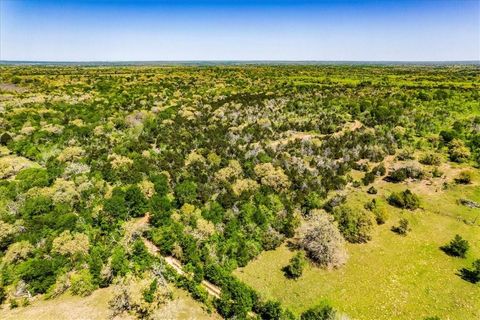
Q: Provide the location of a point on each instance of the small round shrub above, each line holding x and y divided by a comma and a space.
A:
431, 159
403, 227
465, 177
295, 269
405, 200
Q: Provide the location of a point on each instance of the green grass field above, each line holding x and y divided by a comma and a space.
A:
392, 276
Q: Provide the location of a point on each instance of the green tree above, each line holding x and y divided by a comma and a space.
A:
186, 192
136, 202
95, 265
355, 226
119, 262
458, 247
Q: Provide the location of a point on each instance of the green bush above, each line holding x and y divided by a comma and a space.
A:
465, 177
149, 294
405, 200
381, 215
81, 283
431, 159
458, 151
403, 227
13, 303
295, 268
321, 312
436, 173
401, 174
372, 190
116, 206
377, 171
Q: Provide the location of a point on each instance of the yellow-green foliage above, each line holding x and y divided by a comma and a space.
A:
71, 244
272, 177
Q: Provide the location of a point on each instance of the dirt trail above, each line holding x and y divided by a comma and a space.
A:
212, 289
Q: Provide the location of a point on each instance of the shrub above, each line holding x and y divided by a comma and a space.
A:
321, 312
160, 183
405, 200
431, 159
3, 295
95, 264
473, 274
377, 171
380, 214
406, 154
403, 227
436, 173
401, 174
149, 294
121, 301
295, 269
370, 205
323, 242
372, 190
115, 206
81, 283
13, 303
160, 210
355, 226
335, 201
465, 177
271, 310
457, 151
368, 178
458, 247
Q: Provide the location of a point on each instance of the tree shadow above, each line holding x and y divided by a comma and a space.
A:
447, 250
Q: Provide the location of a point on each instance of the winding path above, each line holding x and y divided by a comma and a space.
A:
212, 289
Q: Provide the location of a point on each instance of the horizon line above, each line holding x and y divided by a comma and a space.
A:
239, 61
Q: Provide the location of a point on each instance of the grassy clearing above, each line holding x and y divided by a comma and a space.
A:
391, 277
95, 306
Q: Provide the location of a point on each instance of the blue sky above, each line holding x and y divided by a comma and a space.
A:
387, 30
